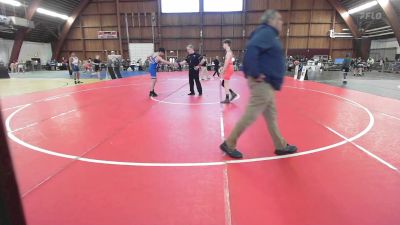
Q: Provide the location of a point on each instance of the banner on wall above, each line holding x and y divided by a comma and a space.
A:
107, 34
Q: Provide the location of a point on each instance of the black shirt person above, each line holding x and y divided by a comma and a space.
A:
216, 66
194, 60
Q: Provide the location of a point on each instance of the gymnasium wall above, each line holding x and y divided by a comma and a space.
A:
5, 50
309, 22
28, 50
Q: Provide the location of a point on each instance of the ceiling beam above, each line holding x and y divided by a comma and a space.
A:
67, 27
392, 16
21, 33
346, 17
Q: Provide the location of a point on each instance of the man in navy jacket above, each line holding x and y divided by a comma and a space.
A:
264, 66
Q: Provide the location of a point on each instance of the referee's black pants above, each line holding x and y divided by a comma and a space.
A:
216, 70
114, 72
194, 77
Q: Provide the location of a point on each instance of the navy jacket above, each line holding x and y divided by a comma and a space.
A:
264, 55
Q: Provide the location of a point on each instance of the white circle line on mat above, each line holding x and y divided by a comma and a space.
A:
12, 136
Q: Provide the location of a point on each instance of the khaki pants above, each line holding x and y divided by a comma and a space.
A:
262, 100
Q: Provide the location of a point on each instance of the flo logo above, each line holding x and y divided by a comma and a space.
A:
371, 16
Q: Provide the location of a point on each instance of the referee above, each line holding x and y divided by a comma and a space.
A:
194, 60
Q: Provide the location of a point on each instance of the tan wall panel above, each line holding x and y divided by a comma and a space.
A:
113, 28
253, 18
285, 17
90, 8
64, 54
74, 45
231, 32
297, 43
109, 20
128, 7
213, 53
146, 32
170, 32
90, 21
340, 53
250, 29
300, 17
257, 4
171, 44
93, 45
90, 32
107, 7
211, 32
80, 55
299, 30
190, 32
75, 33
189, 19
232, 18
303, 4
237, 44
279, 4
228, 31
322, 4
147, 6
321, 17
170, 19
111, 45
342, 43
212, 44
320, 29
316, 42
212, 19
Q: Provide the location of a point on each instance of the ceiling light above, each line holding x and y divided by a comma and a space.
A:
51, 13
363, 7
11, 2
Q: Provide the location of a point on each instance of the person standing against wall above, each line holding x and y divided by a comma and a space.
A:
74, 67
216, 66
113, 64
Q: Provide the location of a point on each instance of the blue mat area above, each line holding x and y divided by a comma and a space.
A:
123, 73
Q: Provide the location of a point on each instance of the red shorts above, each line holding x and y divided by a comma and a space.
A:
228, 73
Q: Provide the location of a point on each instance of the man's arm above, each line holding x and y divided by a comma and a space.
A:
70, 63
261, 41
163, 61
182, 62
201, 63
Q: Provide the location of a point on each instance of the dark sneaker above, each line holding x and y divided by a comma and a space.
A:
231, 152
289, 149
153, 94
234, 95
226, 101
191, 93
80, 82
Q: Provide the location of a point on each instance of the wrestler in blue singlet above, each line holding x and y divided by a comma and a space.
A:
153, 67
